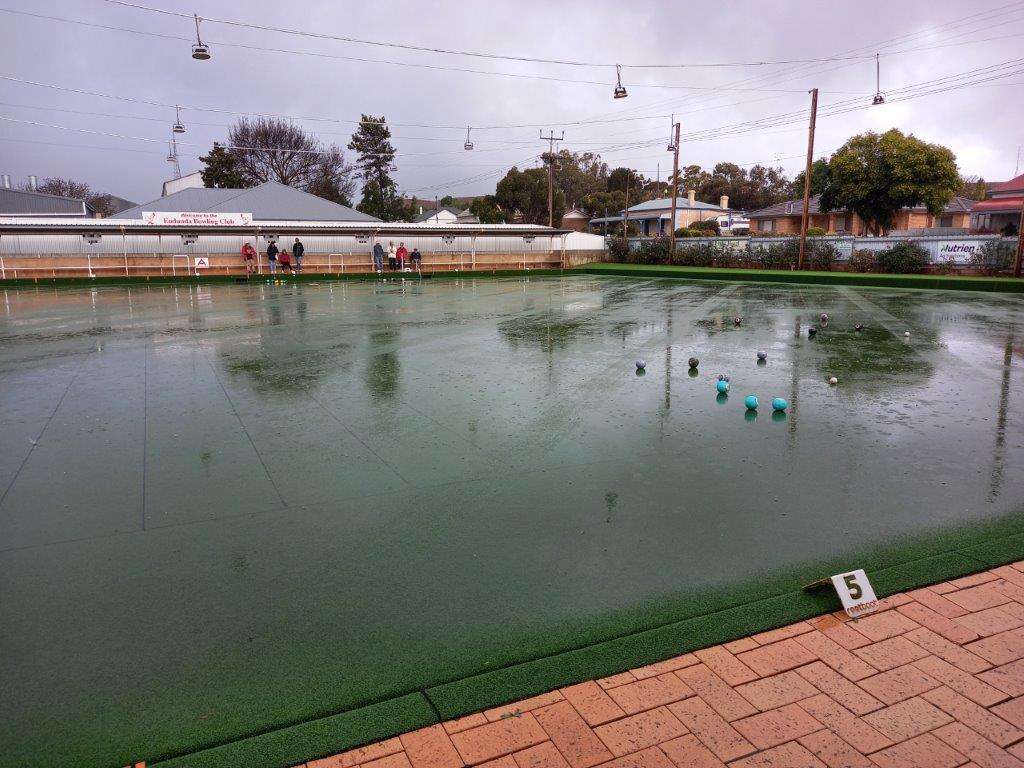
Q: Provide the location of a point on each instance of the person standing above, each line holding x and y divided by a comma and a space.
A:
378, 257
416, 258
392, 257
272, 257
298, 249
402, 254
249, 257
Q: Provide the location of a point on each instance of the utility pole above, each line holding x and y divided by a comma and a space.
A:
675, 188
551, 139
807, 179
625, 213
1020, 242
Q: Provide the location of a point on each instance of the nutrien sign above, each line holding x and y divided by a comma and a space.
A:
197, 219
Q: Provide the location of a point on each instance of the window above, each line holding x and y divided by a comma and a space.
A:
768, 225
946, 221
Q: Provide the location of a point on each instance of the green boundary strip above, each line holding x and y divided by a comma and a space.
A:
78, 282
972, 547
866, 280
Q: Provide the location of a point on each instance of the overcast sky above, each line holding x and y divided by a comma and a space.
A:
924, 40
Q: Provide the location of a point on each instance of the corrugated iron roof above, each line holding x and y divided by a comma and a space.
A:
681, 204
998, 204
18, 202
795, 207
1013, 185
269, 201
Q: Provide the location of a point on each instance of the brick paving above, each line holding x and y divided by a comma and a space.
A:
935, 678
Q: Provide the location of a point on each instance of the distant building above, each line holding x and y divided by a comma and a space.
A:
784, 218
445, 215
192, 180
20, 203
269, 201
1000, 210
653, 216
575, 219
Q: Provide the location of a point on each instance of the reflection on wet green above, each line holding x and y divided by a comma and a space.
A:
383, 370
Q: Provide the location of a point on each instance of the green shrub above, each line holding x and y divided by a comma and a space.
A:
994, 256
652, 251
703, 255
709, 225
618, 249
780, 254
690, 233
904, 258
862, 260
815, 231
821, 255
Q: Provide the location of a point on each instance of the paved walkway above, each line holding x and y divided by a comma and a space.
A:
935, 680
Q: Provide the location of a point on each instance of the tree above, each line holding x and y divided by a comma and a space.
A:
819, 179
579, 174
333, 179
270, 149
527, 192
487, 210
603, 203
973, 187
875, 175
617, 181
222, 170
100, 202
374, 164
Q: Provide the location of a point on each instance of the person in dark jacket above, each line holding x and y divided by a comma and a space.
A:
378, 257
416, 258
298, 249
272, 257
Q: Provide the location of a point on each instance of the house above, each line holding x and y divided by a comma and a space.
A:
784, 218
1000, 210
192, 180
21, 203
575, 219
269, 201
444, 215
652, 217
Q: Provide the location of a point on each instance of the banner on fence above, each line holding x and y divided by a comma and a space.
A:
197, 219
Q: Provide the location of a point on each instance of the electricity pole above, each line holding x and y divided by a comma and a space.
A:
807, 179
625, 213
1020, 242
675, 188
551, 139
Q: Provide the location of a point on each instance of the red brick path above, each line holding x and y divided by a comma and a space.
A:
935, 680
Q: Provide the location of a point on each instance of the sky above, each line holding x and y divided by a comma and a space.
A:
671, 55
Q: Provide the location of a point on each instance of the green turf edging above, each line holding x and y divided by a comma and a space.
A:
316, 738
520, 681
946, 282
79, 282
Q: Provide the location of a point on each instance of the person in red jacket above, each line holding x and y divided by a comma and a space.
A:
285, 260
402, 255
249, 257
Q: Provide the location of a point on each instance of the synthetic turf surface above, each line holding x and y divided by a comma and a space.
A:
329, 512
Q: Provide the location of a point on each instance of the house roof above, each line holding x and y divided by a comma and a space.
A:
269, 201
18, 202
426, 215
681, 203
997, 204
1016, 184
795, 208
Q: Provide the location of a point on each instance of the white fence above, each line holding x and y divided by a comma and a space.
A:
941, 249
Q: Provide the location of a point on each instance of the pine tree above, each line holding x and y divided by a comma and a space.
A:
372, 142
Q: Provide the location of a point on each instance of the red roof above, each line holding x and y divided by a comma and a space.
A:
1014, 184
998, 204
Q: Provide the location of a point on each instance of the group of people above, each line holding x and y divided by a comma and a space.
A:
289, 262
397, 258
292, 262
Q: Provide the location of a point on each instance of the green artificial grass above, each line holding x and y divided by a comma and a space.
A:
864, 280
315, 739
712, 618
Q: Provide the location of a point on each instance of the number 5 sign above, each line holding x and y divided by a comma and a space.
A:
856, 592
